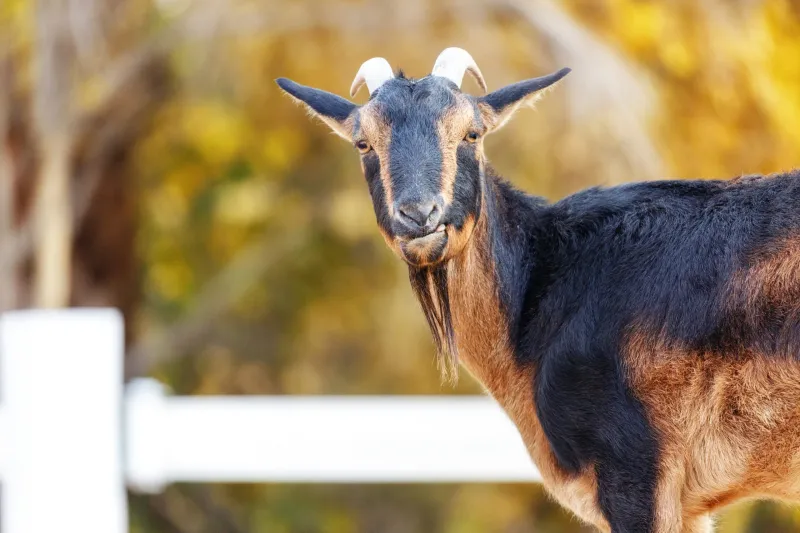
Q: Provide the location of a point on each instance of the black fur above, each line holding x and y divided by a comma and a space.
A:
430, 286
323, 102
511, 94
413, 108
372, 173
661, 255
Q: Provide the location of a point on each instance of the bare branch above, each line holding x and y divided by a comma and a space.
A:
101, 133
54, 224
52, 209
8, 263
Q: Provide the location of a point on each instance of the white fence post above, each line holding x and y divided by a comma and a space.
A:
61, 389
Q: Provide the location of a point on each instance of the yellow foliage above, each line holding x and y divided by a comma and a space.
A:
349, 213
245, 202
678, 59
216, 130
282, 147
170, 279
16, 16
167, 205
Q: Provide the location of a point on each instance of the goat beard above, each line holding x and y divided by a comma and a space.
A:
430, 286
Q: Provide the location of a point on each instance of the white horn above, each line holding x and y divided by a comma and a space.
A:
374, 72
453, 62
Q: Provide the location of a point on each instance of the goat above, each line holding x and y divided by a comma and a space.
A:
644, 338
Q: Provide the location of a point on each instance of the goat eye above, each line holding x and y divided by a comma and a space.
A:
363, 146
472, 136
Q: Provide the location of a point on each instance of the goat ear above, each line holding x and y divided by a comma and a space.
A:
333, 110
498, 106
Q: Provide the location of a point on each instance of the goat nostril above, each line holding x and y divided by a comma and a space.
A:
409, 216
419, 215
415, 214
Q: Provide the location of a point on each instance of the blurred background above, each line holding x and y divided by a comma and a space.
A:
149, 162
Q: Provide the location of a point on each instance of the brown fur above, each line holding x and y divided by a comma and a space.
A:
457, 239
727, 426
484, 350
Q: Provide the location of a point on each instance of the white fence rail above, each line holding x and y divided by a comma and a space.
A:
72, 438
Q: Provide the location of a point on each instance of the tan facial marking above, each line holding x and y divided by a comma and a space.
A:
378, 133
489, 116
424, 251
348, 125
451, 128
457, 239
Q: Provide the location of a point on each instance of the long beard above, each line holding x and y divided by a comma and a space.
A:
430, 286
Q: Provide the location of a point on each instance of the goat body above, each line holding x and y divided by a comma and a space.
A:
645, 339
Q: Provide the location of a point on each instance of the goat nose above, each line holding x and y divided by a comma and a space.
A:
419, 215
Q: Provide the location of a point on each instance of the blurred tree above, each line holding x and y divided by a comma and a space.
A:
69, 130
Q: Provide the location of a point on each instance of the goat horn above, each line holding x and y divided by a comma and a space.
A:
453, 62
374, 72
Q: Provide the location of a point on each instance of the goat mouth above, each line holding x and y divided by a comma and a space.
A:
426, 249
431, 237
438, 232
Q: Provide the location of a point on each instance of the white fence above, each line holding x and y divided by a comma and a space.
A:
72, 437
